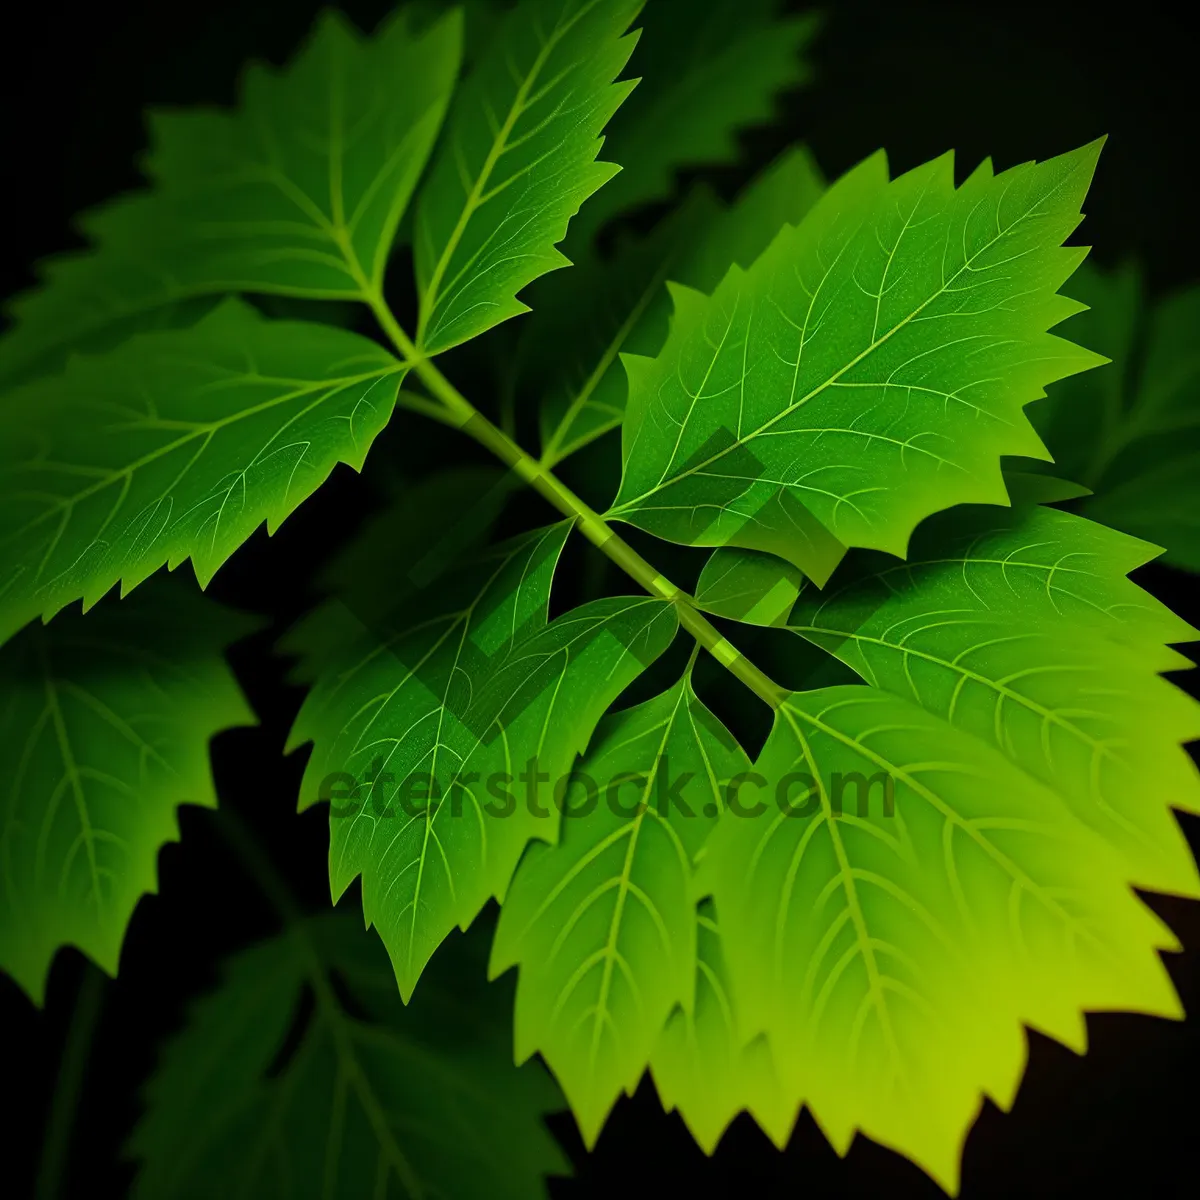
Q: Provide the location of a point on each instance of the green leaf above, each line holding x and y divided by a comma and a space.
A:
1040, 487
869, 369
708, 72
299, 191
783, 193
1073, 417
1157, 499
603, 924
518, 159
104, 729
746, 585
374, 1100
585, 320
176, 445
480, 20
397, 553
1131, 433
1020, 629
472, 692
701, 1065
892, 950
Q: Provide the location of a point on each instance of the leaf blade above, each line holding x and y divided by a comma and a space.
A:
628, 859
910, 939
560, 57
707, 75
1023, 630
413, 1102
177, 445
1132, 435
98, 757
298, 192
470, 686
768, 367
744, 585
704, 1069
573, 349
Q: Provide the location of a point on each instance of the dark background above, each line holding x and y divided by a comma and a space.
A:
1016, 82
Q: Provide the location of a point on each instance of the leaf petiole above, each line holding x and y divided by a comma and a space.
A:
458, 411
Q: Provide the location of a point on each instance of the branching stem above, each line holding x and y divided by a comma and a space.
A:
463, 414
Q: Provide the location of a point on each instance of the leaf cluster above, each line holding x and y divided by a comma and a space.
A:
819, 390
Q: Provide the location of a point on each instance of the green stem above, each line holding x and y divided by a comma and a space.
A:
427, 408
71, 1071
462, 413
552, 453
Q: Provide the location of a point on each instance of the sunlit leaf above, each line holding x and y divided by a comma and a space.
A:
869, 369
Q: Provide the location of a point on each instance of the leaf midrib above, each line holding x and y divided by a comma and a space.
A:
866, 948
70, 765
1012, 869
199, 429
1003, 691
635, 502
475, 197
